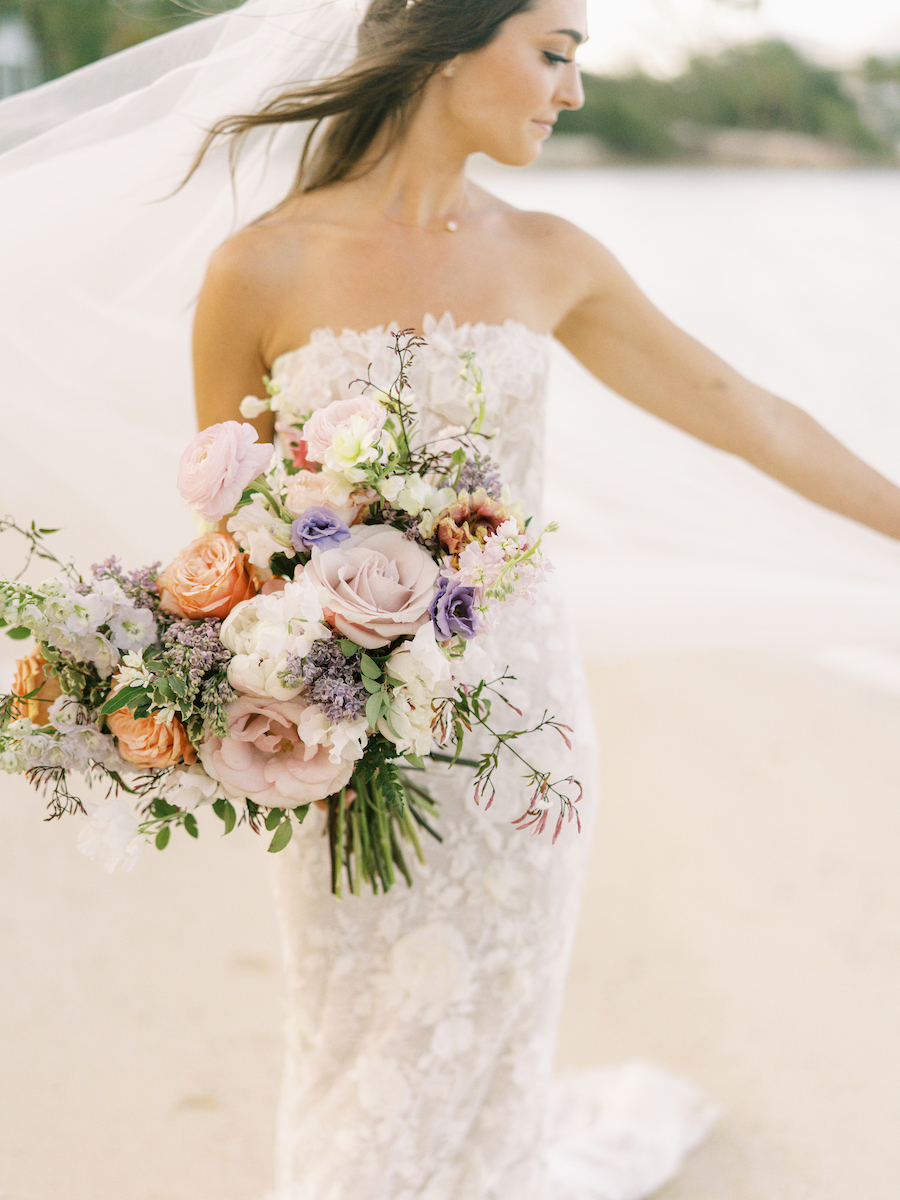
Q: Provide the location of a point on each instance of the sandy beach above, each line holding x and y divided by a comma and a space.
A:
739, 926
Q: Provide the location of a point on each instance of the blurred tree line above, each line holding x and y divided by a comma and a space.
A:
73, 33
767, 85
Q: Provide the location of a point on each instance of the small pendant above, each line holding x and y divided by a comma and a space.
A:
451, 227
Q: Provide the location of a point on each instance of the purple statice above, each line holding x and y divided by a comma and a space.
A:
193, 650
480, 471
453, 610
334, 681
318, 527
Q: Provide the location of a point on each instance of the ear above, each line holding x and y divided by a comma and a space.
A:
449, 68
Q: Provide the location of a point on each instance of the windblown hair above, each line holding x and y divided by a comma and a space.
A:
400, 47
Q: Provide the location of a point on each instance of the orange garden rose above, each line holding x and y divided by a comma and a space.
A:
145, 743
471, 518
29, 675
207, 578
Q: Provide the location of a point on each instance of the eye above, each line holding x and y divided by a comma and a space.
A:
556, 58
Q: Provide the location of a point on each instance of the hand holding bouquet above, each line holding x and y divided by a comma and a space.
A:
317, 651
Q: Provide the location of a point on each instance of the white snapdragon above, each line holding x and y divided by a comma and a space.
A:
191, 787
253, 406
132, 628
112, 835
63, 714
258, 531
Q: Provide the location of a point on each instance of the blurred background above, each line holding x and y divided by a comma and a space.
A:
778, 82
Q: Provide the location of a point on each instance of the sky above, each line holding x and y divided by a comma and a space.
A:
656, 34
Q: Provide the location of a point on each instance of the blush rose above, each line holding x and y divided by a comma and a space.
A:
275, 754
207, 578
377, 585
217, 465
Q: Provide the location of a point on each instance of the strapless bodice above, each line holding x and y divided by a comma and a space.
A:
513, 360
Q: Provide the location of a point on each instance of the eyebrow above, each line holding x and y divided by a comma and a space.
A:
576, 37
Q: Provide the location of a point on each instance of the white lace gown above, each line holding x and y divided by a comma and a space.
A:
421, 1024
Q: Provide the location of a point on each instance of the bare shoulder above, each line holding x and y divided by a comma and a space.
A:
569, 264
250, 263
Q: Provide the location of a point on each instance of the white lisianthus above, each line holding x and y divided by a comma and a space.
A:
354, 442
252, 406
345, 741
260, 532
391, 486
473, 666
191, 787
112, 835
409, 722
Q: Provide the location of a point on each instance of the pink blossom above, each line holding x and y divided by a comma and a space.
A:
217, 465
319, 430
276, 754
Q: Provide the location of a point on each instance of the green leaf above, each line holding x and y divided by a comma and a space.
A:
273, 816
224, 810
190, 824
415, 760
374, 706
177, 685
162, 838
126, 697
301, 813
372, 686
19, 633
348, 648
283, 835
369, 668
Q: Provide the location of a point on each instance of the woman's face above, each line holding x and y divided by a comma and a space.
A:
504, 98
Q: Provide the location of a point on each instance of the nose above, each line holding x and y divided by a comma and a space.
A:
570, 92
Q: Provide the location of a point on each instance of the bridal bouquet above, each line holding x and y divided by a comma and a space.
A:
317, 650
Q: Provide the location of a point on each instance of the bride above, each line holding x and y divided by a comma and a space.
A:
421, 1023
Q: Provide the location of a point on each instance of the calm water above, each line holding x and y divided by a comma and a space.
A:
792, 276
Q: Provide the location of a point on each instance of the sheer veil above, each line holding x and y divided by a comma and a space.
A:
665, 544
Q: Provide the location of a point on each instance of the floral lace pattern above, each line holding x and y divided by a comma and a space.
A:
421, 1024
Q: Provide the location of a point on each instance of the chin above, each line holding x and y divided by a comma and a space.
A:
520, 155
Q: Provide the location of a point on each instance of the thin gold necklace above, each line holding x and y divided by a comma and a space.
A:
450, 226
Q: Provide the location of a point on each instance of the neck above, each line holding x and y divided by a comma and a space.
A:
421, 180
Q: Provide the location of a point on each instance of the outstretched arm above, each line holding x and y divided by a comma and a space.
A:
623, 339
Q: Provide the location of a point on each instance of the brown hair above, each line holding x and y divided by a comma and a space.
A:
401, 46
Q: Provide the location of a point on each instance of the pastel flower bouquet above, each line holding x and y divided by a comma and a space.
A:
317, 651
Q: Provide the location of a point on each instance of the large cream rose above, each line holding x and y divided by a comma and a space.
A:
377, 585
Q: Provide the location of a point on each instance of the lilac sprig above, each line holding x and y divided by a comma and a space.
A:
333, 680
139, 586
193, 650
479, 471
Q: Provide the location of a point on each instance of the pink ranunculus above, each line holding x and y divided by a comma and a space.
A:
310, 490
319, 430
217, 465
275, 754
377, 585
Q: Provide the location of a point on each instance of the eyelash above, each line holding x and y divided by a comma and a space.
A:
556, 58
